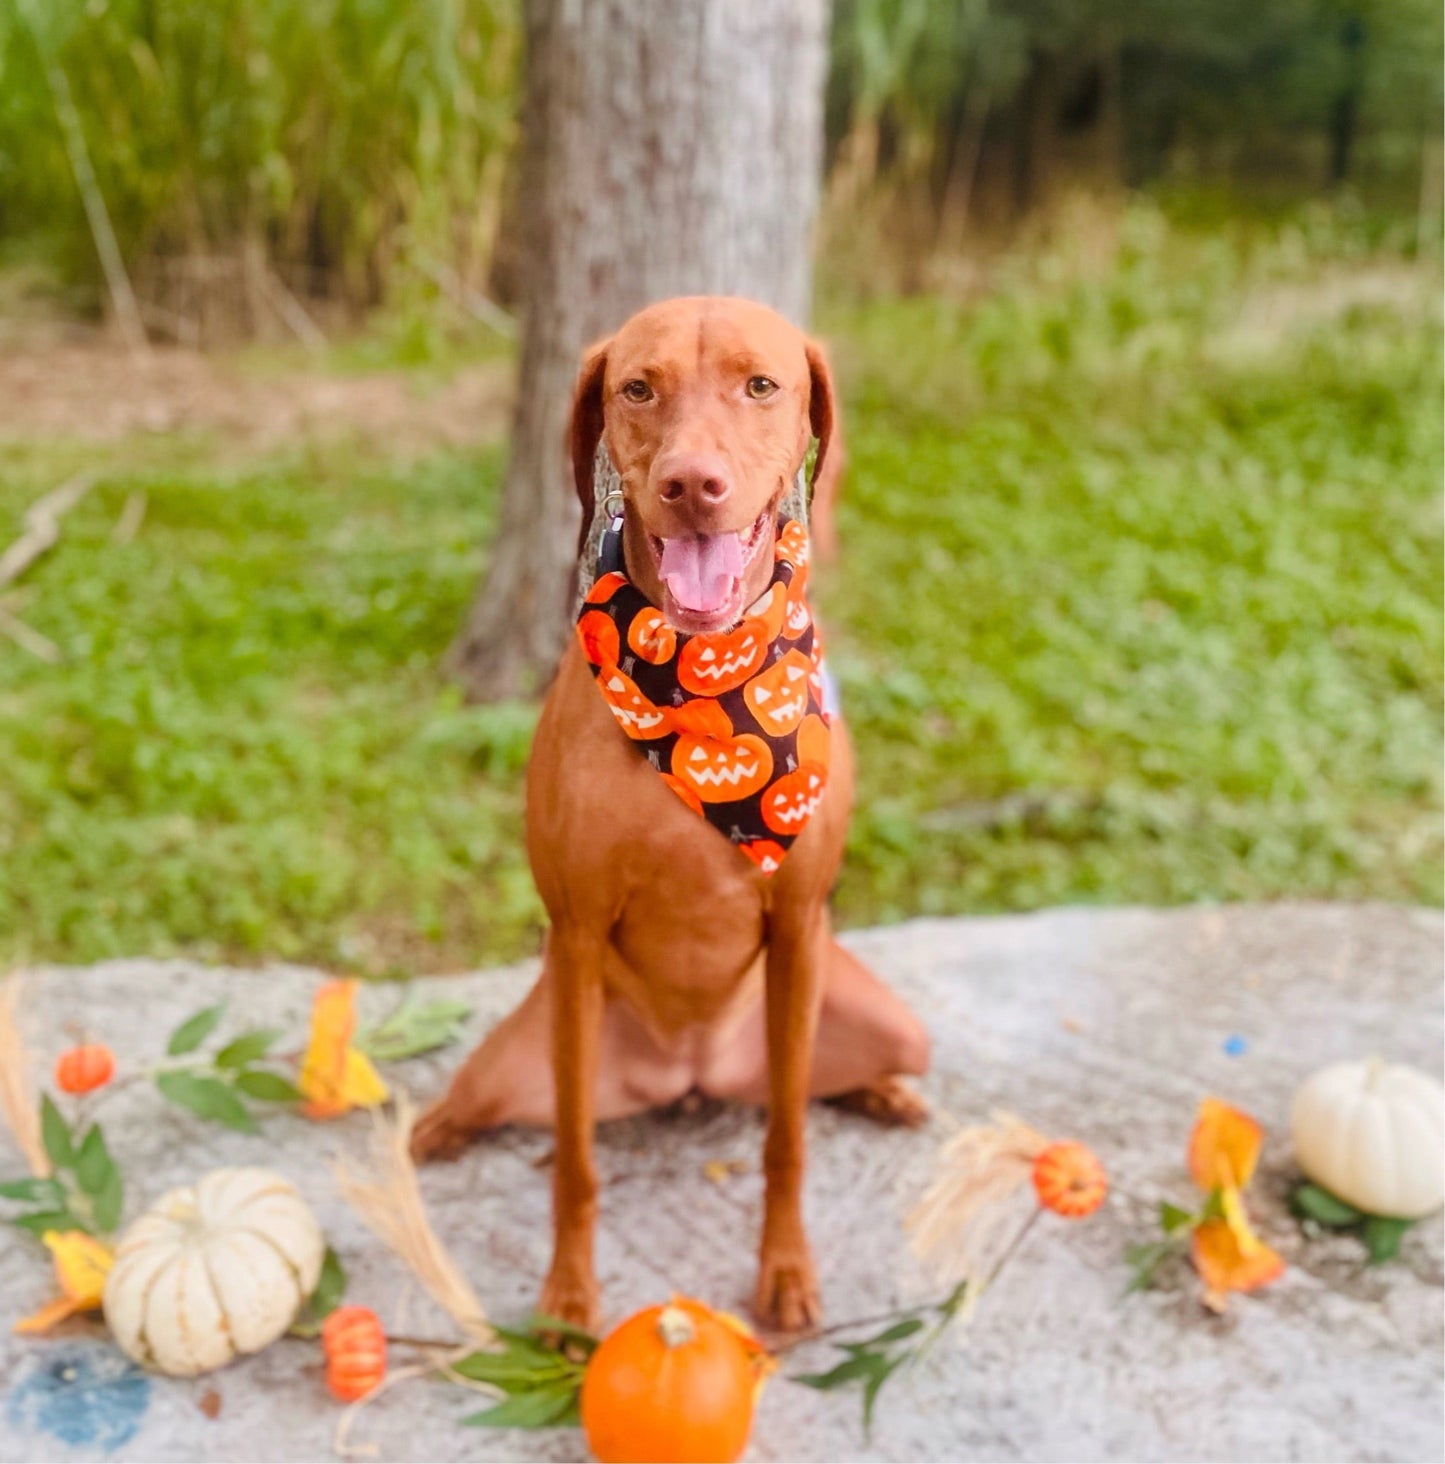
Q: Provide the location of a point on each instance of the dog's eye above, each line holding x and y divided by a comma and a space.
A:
637, 390
761, 387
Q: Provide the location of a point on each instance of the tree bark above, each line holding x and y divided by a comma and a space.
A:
670, 149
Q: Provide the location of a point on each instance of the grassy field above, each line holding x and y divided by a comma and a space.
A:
1140, 601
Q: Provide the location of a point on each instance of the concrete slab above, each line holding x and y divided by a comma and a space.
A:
1106, 1025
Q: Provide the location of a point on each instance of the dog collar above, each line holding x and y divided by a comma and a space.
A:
734, 721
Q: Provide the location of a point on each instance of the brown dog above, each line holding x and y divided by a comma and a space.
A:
674, 964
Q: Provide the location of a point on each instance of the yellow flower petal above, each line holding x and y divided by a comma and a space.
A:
1224, 1147
361, 1085
1224, 1267
81, 1264
323, 1068
1232, 1204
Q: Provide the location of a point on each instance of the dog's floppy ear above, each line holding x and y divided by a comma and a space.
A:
828, 465
822, 407
584, 430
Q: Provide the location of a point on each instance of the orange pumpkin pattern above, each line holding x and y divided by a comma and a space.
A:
733, 721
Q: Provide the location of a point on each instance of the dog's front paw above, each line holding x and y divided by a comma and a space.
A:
572, 1298
787, 1296
438, 1135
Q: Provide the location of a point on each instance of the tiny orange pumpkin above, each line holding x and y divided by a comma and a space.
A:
652, 637
639, 717
355, 1347
84, 1069
792, 800
778, 697
717, 662
672, 1383
1069, 1180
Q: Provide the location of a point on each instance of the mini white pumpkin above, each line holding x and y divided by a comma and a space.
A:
1373, 1135
213, 1270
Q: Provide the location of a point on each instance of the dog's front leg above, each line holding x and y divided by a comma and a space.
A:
787, 1294
575, 961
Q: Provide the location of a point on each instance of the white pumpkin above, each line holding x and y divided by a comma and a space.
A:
212, 1271
1373, 1135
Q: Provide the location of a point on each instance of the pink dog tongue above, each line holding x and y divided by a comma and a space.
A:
700, 571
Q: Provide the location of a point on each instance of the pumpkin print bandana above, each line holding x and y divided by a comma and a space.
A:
734, 721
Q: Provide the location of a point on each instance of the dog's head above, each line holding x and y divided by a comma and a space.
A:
706, 404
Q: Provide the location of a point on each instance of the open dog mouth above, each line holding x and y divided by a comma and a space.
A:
702, 574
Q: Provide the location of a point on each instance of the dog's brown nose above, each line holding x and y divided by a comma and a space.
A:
697, 480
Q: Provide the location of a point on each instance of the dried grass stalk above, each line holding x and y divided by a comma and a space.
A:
966, 1221
385, 1194
17, 1096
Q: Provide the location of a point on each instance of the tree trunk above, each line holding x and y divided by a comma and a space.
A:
670, 149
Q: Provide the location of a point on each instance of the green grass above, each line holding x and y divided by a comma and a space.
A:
1139, 602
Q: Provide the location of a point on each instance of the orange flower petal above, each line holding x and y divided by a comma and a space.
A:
1224, 1267
1224, 1147
49, 1315
323, 1069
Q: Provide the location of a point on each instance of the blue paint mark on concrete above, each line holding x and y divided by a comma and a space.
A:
87, 1395
1235, 1046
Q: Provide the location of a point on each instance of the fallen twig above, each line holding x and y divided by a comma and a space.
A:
42, 526
132, 516
30, 639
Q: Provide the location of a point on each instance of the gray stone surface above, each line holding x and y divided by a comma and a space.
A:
1108, 1026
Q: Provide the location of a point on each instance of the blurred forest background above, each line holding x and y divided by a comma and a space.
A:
1136, 309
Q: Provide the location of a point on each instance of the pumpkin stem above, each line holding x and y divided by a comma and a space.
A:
675, 1327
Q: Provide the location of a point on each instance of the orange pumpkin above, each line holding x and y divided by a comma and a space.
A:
814, 743
355, 1348
598, 633
1069, 1180
792, 544
765, 854
672, 1383
769, 609
798, 617
639, 717
722, 769
84, 1069
605, 588
713, 663
793, 799
652, 637
778, 697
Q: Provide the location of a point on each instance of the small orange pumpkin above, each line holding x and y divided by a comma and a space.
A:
652, 637
778, 697
1069, 1180
84, 1069
792, 544
722, 769
355, 1347
798, 617
769, 608
598, 633
605, 588
793, 799
714, 663
672, 1383
638, 716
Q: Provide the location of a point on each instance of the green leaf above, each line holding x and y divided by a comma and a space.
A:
33, 1191
207, 1098
848, 1371
414, 1028
267, 1086
1144, 1261
896, 1333
194, 1030
330, 1285
550, 1407
874, 1386
1382, 1235
93, 1164
541, 1325
55, 1134
109, 1202
246, 1049
1173, 1217
1317, 1204
42, 1220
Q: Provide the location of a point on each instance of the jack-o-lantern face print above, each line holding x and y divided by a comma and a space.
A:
652, 637
767, 855
712, 664
722, 769
794, 798
792, 544
641, 719
598, 633
770, 609
778, 697
797, 617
